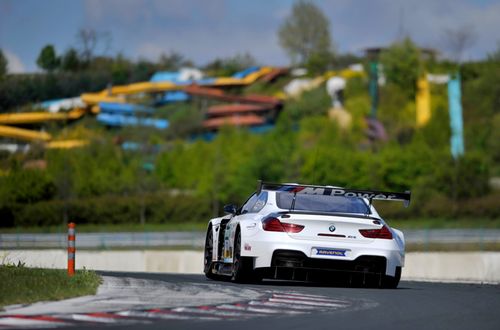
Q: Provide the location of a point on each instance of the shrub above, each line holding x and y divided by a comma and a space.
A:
463, 178
26, 186
159, 207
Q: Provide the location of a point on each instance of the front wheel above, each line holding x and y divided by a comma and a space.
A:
209, 248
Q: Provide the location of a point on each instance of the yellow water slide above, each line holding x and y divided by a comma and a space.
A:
39, 117
66, 144
34, 118
115, 94
29, 135
23, 134
423, 102
247, 80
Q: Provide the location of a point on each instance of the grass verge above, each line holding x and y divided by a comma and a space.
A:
23, 285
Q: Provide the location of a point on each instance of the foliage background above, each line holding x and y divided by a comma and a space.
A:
176, 176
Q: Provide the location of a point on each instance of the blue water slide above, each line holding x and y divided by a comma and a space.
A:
456, 118
47, 104
165, 76
123, 108
117, 120
261, 128
172, 97
173, 77
246, 72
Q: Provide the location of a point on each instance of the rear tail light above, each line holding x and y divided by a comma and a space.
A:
273, 224
383, 233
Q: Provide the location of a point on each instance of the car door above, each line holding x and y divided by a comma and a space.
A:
253, 205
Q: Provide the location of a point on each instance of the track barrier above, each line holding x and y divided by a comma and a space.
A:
71, 249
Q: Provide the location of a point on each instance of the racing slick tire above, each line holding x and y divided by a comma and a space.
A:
391, 282
243, 271
209, 248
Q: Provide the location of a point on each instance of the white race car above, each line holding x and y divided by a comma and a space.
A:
306, 233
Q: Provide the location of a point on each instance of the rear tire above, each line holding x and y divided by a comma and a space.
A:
242, 266
391, 282
208, 254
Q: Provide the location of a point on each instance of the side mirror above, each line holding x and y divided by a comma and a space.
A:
230, 209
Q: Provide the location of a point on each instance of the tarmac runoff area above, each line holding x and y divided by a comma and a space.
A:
466, 267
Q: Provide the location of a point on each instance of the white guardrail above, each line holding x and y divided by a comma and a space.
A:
477, 267
196, 239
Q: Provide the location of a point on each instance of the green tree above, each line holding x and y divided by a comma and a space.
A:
26, 186
3, 64
173, 61
230, 65
402, 65
70, 60
48, 59
120, 69
495, 55
305, 35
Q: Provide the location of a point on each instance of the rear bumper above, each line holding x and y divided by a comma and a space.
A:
294, 265
272, 251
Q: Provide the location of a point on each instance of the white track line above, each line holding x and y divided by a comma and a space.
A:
101, 318
245, 312
195, 310
242, 308
223, 312
23, 323
87, 318
297, 295
157, 315
294, 297
303, 302
271, 310
283, 305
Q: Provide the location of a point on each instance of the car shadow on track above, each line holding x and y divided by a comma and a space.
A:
315, 284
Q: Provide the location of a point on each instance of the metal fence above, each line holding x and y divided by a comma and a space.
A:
196, 239
105, 240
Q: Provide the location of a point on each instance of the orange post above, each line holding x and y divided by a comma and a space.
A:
71, 249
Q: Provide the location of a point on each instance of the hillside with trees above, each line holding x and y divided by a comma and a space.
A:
178, 176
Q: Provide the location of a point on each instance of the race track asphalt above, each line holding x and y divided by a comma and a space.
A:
414, 305
181, 301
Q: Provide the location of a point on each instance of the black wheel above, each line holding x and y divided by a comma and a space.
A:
242, 266
209, 248
391, 282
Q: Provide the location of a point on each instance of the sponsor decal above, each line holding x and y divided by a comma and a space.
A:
330, 252
342, 192
248, 247
336, 191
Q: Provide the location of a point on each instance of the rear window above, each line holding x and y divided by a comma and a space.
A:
322, 203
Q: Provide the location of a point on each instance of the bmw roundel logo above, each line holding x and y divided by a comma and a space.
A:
331, 228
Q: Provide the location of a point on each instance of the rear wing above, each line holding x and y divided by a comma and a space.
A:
335, 191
